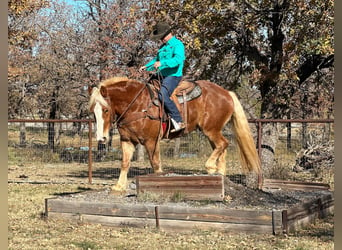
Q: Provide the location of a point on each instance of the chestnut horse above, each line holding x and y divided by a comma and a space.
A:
128, 103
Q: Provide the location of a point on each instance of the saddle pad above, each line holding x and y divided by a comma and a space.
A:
194, 93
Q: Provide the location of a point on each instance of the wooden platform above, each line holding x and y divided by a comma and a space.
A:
187, 187
177, 217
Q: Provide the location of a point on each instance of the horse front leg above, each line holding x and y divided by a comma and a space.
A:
128, 149
153, 151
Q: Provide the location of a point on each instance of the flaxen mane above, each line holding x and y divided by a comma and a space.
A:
112, 81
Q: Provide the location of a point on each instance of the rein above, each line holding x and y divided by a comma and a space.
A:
139, 116
117, 121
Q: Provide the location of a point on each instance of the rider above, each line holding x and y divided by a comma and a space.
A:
169, 63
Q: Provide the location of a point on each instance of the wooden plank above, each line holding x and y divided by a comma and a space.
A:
306, 213
105, 220
216, 215
294, 185
295, 225
200, 181
295, 182
180, 225
187, 194
165, 225
189, 187
277, 226
96, 208
310, 207
262, 217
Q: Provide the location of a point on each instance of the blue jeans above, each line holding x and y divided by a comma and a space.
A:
168, 86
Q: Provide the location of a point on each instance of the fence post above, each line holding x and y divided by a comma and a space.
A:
90, 155
260, 179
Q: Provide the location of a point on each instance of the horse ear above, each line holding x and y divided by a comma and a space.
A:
103, 91
90, 88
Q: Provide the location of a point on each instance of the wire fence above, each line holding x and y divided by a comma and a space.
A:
303, 151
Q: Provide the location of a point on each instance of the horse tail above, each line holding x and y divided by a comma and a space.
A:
248, 154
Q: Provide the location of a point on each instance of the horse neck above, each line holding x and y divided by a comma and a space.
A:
127, 97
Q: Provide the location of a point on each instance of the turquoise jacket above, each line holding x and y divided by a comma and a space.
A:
171, 56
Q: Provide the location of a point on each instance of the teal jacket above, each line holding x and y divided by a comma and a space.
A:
171, 56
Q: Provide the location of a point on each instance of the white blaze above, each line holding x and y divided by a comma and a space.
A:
99, 122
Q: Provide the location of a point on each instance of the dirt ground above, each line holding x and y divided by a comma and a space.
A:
237, 196
28, 230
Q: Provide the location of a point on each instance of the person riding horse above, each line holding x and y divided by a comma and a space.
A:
169, 63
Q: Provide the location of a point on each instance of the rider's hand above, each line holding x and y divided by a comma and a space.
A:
157, 64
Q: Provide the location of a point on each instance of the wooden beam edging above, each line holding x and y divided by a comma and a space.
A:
255, 221
164, 212
284, 219
46, 212
300, 215
294, 185
157, 217
184, 218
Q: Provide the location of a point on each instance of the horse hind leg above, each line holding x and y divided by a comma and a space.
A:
221, 163
216, 163
210, 164
128, 149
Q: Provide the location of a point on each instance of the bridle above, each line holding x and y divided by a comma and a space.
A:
120, 120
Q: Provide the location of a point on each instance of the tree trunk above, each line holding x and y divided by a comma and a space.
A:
268, 147
51, 135
269, 141
53, 115
140, 153
288, 132
22, 136
269, 80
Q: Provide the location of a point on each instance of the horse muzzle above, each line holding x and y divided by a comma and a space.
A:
102, 140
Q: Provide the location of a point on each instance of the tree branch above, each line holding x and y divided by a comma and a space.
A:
313, 63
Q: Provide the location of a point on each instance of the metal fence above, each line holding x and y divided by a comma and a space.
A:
303, 148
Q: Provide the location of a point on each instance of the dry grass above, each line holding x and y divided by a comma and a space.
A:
28, 230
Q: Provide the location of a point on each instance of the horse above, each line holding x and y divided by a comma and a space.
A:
128, 104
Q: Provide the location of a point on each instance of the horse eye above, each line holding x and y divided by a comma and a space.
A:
105, 111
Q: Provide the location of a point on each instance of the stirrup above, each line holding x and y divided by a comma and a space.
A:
177, 126
156, 102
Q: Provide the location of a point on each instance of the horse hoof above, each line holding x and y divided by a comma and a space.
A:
211, 171
118, 191
223, 173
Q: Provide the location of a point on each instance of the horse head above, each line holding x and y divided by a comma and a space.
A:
99, 104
